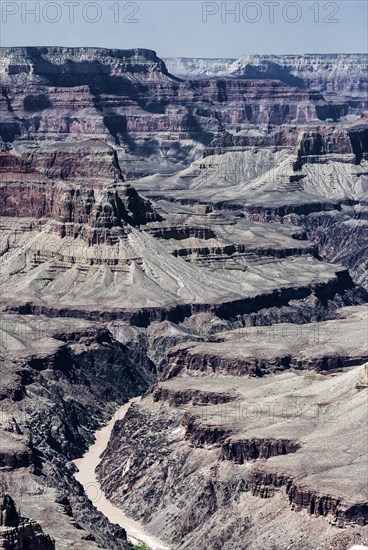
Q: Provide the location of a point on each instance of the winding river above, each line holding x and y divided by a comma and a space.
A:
86, 475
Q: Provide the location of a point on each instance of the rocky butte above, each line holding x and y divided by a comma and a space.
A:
195, 233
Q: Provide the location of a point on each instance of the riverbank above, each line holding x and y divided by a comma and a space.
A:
86, 475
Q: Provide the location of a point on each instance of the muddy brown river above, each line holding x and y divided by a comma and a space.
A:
86, 475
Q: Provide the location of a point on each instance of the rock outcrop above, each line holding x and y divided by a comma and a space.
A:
338, 74
126, 106
271, 446
65, 377
201, 242
17, 533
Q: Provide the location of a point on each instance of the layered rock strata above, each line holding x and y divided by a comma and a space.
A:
17, 533
249, 453
60, 381
209, 272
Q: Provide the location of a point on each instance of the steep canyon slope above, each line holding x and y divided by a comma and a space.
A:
203, 242
340, 74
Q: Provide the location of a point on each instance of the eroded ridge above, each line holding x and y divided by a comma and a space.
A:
285, 445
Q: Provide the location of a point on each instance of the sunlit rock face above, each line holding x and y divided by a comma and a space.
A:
202, 241
89, 107
340, 74
78, 122
18, 533
343, 74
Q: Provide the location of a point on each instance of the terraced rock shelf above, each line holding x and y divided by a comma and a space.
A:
196, 234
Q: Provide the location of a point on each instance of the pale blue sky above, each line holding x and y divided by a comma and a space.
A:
190, 28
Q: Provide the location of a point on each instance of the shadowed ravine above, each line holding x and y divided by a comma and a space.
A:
200, 242
86, 475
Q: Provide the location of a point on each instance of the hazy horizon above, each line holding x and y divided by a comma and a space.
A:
190, 28
182, 56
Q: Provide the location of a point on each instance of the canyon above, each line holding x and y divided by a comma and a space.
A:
343, 74
195, 233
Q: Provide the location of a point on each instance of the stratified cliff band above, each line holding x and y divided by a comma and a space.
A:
195, 233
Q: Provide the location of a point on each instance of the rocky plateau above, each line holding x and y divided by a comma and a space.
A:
195, 232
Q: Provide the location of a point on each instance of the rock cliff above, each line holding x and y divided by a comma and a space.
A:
342, 74
17, 533
203, 242
212, 467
